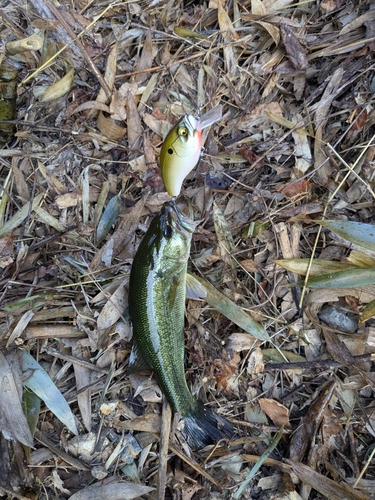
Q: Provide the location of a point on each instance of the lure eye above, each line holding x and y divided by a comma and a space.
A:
183, 131
168, 231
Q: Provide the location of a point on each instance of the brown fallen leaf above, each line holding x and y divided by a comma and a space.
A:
6, 251
150, 422
83, 378
277, 412
114, 307
135, 130
301, 186
225, 370
304, 436
331, 489
145, 61
251, 157
294, 49
340, 352
359, 122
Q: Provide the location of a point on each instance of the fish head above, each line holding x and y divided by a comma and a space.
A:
180, 153
176, 219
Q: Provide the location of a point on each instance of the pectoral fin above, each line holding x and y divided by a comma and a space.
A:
194, 289
172, 294
136, 363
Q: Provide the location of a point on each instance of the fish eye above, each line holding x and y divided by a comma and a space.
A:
168, 231
183, 131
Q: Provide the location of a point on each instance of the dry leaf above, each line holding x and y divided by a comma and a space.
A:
295, 51
277, 412
109, 77
110, 128
251, 157
13, 423
83, 378
229, 34
114, 491
117, 107
6, 251
241, 342
145, 61
59, 88
114, 308
333, 490
135, 130
299, 187
225, 370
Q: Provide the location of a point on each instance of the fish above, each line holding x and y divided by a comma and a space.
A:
182, 147
157, 292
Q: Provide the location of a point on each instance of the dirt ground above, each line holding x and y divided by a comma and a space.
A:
283, 346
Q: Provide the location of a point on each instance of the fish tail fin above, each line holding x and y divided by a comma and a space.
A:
202, 427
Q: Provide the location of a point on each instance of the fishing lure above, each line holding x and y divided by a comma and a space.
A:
182, 148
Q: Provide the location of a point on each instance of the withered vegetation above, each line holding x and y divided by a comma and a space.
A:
99, 86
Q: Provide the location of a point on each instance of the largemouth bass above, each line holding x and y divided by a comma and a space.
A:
157, 292
182, 148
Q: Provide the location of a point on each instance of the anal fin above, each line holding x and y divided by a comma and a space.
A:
136, 363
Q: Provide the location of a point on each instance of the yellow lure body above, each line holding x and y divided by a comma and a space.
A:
180, 153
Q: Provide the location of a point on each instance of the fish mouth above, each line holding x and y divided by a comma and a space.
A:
179, 215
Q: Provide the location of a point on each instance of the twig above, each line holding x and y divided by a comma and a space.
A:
320, 364
163, 449
193, 464
64, 456
75, 360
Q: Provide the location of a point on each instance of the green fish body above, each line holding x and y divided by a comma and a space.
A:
157, 293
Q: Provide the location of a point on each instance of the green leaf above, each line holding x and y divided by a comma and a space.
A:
41, 384
31, 409
356, 232
360, 259
27, 303
282, 356
318, 267
109, 217
259, 464
254, 228
229, 309
343, 279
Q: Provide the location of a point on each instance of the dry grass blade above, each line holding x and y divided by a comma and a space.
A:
193, 464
